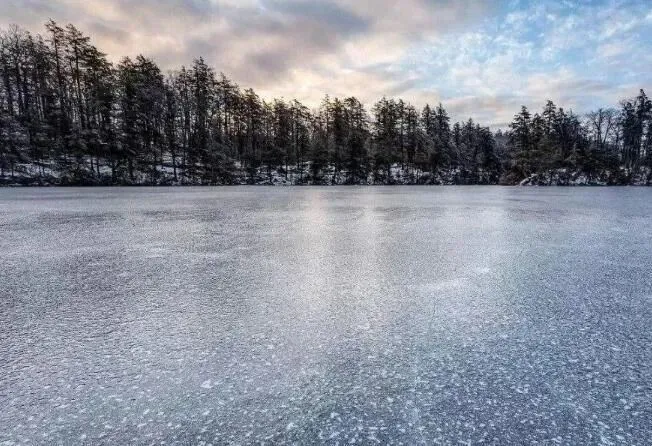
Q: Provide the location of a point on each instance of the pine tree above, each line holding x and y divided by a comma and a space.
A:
521, 141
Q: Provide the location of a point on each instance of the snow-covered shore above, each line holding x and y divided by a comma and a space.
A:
45, 175
567, 177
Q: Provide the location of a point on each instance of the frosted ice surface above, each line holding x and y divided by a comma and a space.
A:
325, 315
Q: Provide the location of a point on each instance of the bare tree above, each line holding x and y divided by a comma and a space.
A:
602, 124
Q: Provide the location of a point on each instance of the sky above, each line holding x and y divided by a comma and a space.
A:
480, 58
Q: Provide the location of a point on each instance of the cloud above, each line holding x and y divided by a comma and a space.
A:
482, 59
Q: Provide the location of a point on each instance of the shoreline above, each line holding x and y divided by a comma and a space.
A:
29, 175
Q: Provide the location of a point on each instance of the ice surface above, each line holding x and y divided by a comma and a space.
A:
325, 315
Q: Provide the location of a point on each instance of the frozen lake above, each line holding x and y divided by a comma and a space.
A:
339, 315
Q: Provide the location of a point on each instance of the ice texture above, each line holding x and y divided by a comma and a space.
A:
326, 315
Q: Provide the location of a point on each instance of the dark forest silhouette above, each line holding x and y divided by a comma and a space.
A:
69, 116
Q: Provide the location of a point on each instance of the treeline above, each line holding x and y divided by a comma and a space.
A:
608, 142
69, 116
